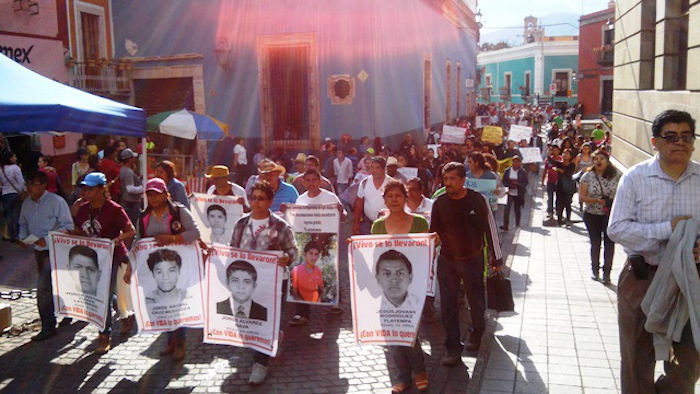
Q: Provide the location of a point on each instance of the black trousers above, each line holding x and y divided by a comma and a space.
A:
597, 226
563, 203
450, 273
517, 203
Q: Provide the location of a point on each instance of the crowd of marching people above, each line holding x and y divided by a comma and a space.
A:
417, 186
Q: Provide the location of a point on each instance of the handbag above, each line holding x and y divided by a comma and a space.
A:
608, 200
498, 293
568, 184
22, 194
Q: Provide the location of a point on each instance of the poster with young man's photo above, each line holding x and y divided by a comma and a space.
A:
80, 273
167, 286
243, 299
313, 277
388, 283
215, 216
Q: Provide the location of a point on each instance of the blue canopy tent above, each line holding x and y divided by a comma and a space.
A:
30, 102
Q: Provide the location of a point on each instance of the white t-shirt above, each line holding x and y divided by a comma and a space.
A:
324, 198
240, 150
257, 224
513, 191
374, 198
343, 171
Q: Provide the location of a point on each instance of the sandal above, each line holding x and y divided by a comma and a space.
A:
421, 381
400, 388
298, 320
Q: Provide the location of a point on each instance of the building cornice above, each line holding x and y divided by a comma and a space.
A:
545, 48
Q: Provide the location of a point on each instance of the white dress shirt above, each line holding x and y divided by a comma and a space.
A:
343, 171
646, 202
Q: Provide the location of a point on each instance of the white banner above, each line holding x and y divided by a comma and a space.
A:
453, 135
388, 284
518, 133
167, 286
81, 270
215, 216
482, 121
314, 276
531, 155
408, 172
243, 299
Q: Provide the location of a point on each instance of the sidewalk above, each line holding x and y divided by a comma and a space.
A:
563, 335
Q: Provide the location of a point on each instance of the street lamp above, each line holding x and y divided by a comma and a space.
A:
477, 19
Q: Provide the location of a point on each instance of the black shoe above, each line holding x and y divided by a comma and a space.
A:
43, 335
504, 228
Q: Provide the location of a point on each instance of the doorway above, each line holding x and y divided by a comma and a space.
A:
289, 91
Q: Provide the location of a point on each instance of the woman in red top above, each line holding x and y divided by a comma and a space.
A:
54, 185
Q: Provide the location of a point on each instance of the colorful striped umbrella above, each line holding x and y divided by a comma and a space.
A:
187, 124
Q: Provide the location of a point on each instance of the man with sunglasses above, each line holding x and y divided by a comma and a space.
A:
652, 198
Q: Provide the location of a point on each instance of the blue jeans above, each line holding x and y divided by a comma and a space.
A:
44, 291
12, 205
450, 273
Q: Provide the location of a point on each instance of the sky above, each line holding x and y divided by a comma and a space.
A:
506, 13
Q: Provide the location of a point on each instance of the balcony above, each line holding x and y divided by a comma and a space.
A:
505, 93
102, 77
605, 55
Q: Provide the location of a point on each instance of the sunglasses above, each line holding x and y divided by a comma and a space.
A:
671, 138
258, 198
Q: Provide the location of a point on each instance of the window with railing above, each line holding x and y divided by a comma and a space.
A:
561, 79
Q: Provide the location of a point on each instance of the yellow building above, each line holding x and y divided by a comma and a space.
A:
657, 50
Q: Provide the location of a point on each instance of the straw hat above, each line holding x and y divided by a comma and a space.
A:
218, 171
301, 157
266, 166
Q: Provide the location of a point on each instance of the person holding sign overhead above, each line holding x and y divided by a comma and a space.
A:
393, 273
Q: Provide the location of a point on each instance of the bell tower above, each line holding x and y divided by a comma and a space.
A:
532, 32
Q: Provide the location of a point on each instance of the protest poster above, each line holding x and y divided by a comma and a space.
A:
81, 270
453, 135
215, 216
504, 164
482, 121
518, 133
388, 284
314, 275
243, 299
492, 134
167, 285
408, 172
531, 155
434, 147
487, 187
